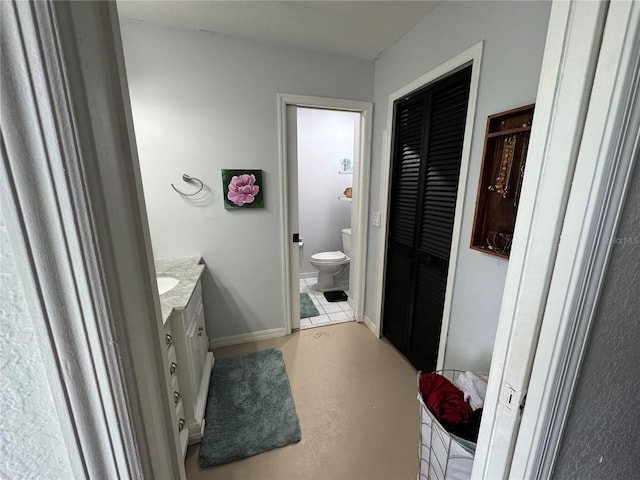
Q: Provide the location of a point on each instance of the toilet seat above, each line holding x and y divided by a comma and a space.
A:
329, 258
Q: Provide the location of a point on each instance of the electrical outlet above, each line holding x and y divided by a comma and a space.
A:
376, 219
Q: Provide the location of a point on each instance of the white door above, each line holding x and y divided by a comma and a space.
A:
292, 211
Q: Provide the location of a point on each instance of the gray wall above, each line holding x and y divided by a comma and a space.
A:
514, 35
324, 137
202, 102
32, 445
602, 435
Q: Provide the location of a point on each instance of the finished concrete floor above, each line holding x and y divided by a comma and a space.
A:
355, 396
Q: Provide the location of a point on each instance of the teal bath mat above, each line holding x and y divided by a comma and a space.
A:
250, 408
307, 308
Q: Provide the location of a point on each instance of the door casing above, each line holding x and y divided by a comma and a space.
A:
471, 56
288, 206
586, 142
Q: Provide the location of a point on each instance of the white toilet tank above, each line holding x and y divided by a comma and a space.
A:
346, 241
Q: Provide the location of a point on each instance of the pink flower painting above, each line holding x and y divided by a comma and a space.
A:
242, 188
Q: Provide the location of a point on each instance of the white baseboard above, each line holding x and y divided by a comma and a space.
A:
309, 275
372, 326
246, 337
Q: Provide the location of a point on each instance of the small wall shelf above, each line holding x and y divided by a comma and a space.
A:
503, 162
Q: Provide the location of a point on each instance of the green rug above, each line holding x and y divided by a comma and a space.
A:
307, 308
250, 408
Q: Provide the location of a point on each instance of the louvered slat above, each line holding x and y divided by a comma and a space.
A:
428, 306
397, 298
406, 173
443, 152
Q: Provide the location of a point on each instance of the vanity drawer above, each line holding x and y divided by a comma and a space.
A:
168, 335
173, 361
183, 430
175, 389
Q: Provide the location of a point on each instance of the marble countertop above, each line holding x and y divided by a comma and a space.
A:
188, 271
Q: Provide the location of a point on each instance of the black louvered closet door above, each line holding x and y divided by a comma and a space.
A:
429, 131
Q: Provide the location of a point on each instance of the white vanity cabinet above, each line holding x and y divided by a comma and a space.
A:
194, 363
175, 392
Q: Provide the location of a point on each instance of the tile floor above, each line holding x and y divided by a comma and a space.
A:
330, 312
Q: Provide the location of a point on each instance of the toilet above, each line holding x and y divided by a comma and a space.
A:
333, 267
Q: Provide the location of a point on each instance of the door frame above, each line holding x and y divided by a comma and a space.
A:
360, 200
609, 148
472, 56
579, 160
72, 200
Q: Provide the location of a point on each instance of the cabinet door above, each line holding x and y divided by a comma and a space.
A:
203, 338
198, 345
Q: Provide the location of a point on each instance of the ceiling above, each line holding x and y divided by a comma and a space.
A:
362, 29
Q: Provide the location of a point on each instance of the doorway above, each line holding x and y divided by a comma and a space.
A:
295, 252
327, 152
428, 138
472, 58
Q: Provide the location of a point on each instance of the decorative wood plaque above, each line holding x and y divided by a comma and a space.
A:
503, 164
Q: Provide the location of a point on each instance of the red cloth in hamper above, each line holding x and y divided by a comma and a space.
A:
444, 399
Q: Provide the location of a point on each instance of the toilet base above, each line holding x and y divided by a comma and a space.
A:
328, 282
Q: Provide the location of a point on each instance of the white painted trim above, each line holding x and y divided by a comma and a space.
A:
568, 66
610, 146
291, 217
246, 338
360, 202
284, 215
76, 211
360, 206
372, 326
476, 53
471, 56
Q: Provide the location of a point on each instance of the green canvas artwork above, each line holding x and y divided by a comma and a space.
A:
242, 189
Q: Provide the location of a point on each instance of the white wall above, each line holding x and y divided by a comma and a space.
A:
31, 442
324, 137
514, 35
202, 102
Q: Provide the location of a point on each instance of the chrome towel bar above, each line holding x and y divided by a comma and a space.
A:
188, 178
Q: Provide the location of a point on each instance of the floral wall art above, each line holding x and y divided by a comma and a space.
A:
242, 189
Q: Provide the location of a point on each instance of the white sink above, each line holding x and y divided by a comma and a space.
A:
166, 283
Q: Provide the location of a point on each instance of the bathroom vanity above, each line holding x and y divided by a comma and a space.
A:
186, 342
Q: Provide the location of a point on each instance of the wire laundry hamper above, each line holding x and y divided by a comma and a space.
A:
443, 456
